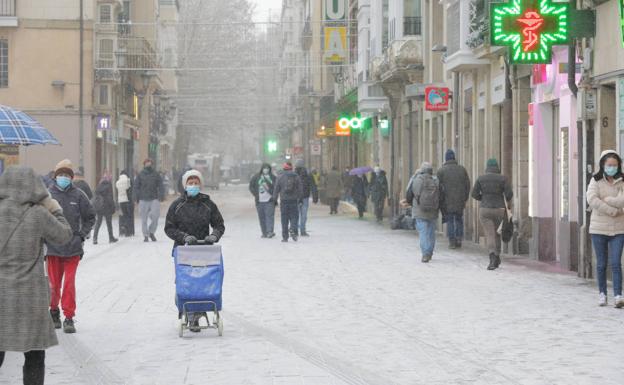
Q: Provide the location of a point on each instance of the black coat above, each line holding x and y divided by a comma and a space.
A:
454, 186
84, 186
379, 187
149, 186
104, 203
359, 191
80, 214
490, 188
308, 184
198, 216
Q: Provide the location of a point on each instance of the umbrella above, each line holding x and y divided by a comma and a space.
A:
18, 128
360, 171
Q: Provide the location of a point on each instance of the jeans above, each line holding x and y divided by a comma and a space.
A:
426, 232
290, 218
303, 214
34, 367
491, 220
109, 226
266, 216
149, 210
455, 227
609, 248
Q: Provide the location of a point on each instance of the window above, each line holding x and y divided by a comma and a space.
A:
4, 63
103, 97
413, 18
106, 13
106, 53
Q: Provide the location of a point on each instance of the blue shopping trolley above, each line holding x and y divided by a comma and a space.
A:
199, 282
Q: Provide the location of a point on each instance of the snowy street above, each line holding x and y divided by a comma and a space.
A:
352, 304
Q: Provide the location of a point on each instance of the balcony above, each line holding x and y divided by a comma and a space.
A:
8, 16
401, 62
466, 30
136, 53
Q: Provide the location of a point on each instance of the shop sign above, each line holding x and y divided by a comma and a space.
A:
621, 6
335, 10
335, 44
103, 122
530, 28
298, 150
343, 127
437, 99
315, 148
384, 127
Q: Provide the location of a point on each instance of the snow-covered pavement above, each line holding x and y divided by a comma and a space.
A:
350, 305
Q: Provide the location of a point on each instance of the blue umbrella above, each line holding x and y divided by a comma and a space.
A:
18, 128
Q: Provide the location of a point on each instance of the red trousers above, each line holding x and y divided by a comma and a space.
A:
59, 268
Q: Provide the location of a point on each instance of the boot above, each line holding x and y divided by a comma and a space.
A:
153, 237
458, 243
498, 261
452, 244
95, 242
56, 318
492, 265
68, 326
113, 240
33, 375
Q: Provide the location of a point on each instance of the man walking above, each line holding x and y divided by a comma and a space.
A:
149, 192
288, 190
333, 189
455, 190
424, 193
379, 191
309, 189
62, 260
261, 187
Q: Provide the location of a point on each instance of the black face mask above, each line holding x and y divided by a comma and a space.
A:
149, 167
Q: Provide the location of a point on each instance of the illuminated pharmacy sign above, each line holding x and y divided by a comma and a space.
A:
622, 20
530, 28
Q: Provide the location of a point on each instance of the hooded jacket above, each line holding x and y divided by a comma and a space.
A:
25, 299
197, 216
123, 186
490, 188
416, 185
308, 184
254, 183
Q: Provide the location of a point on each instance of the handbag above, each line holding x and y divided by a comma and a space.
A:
506, 228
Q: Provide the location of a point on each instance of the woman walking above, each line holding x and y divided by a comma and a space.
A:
28, 217
494, 193
605, 196
126, 220
359, 192
104, 205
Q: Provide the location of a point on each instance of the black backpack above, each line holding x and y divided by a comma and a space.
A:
291, 184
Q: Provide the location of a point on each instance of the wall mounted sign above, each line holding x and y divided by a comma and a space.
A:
437, 99
335, 44
103, 122
530, 28
335, 10
622, 20
343, 126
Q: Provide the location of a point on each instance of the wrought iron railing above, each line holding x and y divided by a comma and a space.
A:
412, 26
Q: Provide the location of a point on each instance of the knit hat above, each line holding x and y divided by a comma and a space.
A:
148, 160
492, 162
287, 166
450, 155
300, 163
190, 174
64, 167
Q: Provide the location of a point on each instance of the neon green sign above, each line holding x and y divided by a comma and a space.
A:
271, 146
622, 20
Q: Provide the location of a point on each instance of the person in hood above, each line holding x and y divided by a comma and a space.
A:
194, 217
82, 184
494, 192
605, 196
455, 189
289, 191
62, 260
104, 205
424, 193
124, 193
149, 192
333, 189
261, 187
379, 191
28, 216
309, 189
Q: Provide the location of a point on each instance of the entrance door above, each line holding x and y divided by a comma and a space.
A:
557, 179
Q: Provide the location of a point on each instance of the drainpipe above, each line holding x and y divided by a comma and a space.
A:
81, 90
456, 107
507, 126
572, 68
410, 136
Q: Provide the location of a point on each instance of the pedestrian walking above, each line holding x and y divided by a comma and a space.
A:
194, 217
28, 216
104, 205
63, 259
359, 192
82, 184
333, 189
605, 196
317, 177
424, 193
124, 194
261, 187
379, 191
455, 190
288, 190
149, 192
494, 193
309, 190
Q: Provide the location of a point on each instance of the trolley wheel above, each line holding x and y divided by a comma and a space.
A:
220, 325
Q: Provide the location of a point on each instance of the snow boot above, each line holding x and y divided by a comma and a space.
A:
153, 237
146, 240
34, 372
68, 326
305, 234
492, 265
458, 243
426, 258
56, 318
498, 261
113, 240
452, 244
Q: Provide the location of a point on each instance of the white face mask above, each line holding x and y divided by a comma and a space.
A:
265, 171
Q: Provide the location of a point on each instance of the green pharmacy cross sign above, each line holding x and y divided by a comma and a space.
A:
530, 28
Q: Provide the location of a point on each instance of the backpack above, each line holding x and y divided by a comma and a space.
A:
291, 184
430, 195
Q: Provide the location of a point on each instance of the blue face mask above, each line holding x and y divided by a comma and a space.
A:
192, 191
63, 182
611, 170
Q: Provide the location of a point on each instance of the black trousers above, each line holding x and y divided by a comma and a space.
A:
109, 225
379, 208
34, 367
126, 220
290, 218
333, 205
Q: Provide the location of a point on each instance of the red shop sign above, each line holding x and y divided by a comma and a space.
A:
437, 98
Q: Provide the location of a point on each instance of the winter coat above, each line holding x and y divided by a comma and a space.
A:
359, 190
123, 186
254, 188
416, 184
379, 187
606, 201
347, 180
280, 188
25, 322
490, 187
197, 216
80, 214
104, 203
333, 185
149, 186
454, 186
84, 186
308, 184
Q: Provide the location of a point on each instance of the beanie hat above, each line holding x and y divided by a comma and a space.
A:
607, 152
64, 167
288, 166
190, 174
450, 155
300, 163
147, 160
492, 162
